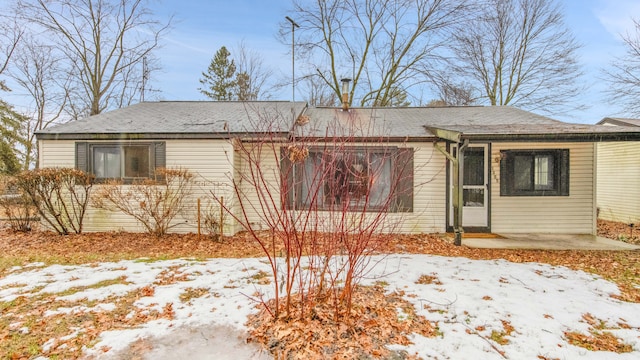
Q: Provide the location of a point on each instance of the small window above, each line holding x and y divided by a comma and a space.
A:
120, 161
534, 172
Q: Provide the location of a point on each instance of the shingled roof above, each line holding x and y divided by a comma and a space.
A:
185, 119
619, 121
220, 119
504, 123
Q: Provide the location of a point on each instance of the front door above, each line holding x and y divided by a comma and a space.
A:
475, 189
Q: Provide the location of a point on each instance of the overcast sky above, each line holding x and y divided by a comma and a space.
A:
201, 27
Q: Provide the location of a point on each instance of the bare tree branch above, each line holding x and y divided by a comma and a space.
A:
37, 71
519, 52
624, 75
252, 74
385, 47
10, 35
104, 43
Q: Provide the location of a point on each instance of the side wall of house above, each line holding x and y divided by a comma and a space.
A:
573, 214
430, 191
618, 181
429, 197
210, 160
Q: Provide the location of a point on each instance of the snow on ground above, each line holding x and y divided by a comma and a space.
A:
467, 299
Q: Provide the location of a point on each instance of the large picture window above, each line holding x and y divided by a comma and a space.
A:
126, 161
534, 172
370, 179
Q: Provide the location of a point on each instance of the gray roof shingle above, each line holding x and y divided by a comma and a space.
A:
477, 122
201, 118
619, 121
212, 119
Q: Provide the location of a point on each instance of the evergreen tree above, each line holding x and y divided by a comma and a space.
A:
11, 137
219, 80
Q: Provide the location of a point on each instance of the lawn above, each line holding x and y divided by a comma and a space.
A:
110, 295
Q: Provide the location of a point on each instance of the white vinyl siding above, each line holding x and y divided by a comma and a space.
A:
430, 191
429, 199
210, 160
215, 163
57, 153
573, 214
618, 183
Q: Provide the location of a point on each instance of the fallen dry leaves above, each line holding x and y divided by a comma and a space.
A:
374, 323
627, 232
598, 339
373, 310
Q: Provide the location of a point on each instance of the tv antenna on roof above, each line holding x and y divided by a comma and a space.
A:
294, 25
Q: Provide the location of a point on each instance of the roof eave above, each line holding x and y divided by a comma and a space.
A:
154, 136
556, 137
369, 139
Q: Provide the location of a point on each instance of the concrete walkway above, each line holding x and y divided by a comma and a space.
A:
546, 242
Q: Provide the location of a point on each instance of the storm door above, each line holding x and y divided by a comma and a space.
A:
475, 192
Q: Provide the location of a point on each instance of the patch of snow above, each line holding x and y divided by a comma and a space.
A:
471, 299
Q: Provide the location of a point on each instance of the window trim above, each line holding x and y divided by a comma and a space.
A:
156, 151
401, 199
560, 172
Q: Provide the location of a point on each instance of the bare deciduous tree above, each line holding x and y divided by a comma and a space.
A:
317, 93
37, 71
11, 122
386, 47
519, 52
10, 35
453, 94
104, 43
252, 75
624, 75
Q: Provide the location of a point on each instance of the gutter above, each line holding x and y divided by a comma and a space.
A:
566, 137
156, 136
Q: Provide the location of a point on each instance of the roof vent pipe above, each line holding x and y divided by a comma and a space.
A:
345, 94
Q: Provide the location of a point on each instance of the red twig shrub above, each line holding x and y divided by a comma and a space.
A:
322, 201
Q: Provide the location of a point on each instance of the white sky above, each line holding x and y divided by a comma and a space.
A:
540, 301
202, 26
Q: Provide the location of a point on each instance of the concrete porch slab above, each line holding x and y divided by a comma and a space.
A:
547, 242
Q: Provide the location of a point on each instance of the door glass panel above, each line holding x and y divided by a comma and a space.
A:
473, 166
473, 197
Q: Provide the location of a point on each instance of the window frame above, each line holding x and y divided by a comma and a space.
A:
155, 150
559, 176
401, 193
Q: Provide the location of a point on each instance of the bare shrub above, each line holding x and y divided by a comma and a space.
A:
214, 218
18, 211
60, 195
322, 200
155, 204
15, 207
